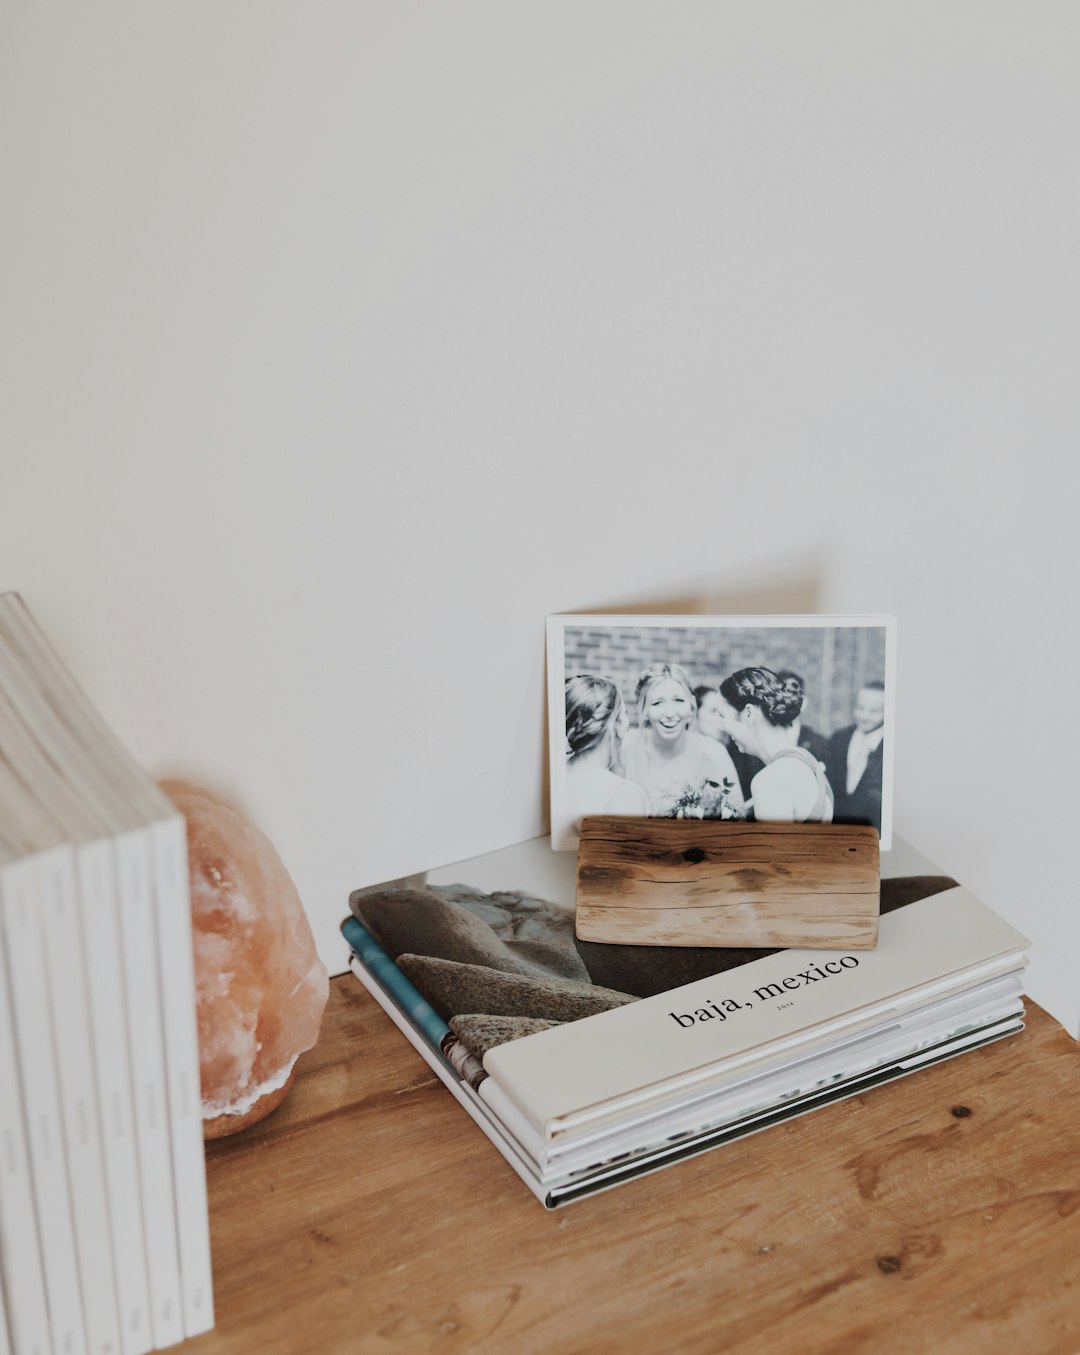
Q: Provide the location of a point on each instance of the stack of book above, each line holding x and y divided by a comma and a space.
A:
589, 1103
104, 1236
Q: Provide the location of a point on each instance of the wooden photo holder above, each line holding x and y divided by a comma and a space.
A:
712, 882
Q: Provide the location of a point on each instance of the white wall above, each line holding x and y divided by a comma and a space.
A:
344, 341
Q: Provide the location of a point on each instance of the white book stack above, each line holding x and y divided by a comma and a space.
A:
104, 1235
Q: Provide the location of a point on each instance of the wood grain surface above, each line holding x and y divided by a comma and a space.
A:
369, 1214
706, 882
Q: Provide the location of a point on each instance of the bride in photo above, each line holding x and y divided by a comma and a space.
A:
596, 722
684, 773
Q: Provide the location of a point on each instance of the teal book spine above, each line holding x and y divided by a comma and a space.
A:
412, 1002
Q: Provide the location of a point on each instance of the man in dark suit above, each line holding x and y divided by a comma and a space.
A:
814, 743
854, 760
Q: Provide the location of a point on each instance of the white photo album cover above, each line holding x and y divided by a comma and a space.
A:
774, 718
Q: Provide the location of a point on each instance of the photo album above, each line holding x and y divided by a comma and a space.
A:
588, 1063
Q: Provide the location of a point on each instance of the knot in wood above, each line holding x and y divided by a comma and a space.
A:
694, 855
888, 1265
961, 1112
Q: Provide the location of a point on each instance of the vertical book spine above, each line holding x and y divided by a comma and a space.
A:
101, 937
35, 1042
5, 1343
64, 961
177, 974
146, 1048
20, 1248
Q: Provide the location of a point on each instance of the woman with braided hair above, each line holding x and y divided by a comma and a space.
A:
596, 722
761, 713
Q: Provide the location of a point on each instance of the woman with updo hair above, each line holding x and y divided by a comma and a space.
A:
761, 713
683, 772
596, 721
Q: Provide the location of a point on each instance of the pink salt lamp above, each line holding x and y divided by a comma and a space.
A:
260, 985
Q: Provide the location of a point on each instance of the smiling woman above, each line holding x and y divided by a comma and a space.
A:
669, 760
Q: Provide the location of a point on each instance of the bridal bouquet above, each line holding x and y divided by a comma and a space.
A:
710, 800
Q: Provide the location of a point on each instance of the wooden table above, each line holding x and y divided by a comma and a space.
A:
939, 1214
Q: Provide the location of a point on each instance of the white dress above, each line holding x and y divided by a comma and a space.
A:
665, 779
795, 780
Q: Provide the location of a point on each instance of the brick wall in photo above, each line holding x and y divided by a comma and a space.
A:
833, 662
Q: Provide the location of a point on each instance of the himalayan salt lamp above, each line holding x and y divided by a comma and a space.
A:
260, 985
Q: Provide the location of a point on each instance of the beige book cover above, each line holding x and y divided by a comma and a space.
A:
573, 1075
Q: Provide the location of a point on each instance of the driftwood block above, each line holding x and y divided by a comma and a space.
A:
708, 882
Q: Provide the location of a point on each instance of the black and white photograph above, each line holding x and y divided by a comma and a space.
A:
775, 719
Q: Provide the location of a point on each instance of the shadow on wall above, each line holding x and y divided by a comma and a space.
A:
191, 782
788, 586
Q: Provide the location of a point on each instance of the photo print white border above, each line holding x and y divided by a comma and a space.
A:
564, 836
